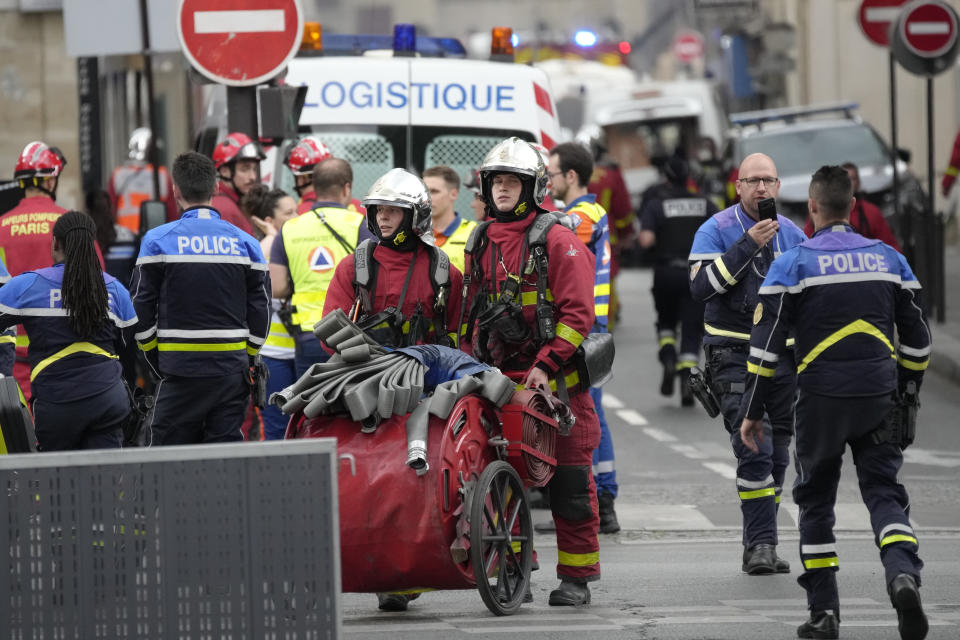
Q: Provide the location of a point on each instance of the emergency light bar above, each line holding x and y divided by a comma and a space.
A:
403, 42
789, 114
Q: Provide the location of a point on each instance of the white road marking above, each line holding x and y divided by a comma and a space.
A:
238, 21
932, 458
573, 628
632, 417
727, 471
689, 451
659, 434
610, 401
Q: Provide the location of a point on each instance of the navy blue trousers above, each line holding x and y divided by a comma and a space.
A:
825, 426
759, 475
89, 423
194, 410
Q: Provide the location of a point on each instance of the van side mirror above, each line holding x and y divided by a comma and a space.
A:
904, 154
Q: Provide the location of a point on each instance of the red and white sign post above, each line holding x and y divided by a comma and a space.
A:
239, 43
688, 46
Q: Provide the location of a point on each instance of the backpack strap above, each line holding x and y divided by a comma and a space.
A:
537, 240
440, 280
364, 278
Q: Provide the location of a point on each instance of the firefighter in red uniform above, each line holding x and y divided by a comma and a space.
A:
26, 231
403, 290
301, 159
237, 159
950, 173
511, 266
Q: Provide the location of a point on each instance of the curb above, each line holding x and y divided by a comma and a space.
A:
945, 359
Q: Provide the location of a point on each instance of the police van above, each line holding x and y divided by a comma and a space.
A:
406, 101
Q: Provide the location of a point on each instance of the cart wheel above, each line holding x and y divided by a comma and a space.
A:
501, 538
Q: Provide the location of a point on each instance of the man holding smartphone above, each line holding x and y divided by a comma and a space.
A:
729, 259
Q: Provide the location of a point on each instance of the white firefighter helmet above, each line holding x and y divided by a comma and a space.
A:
517, 156
139, 143
400, 188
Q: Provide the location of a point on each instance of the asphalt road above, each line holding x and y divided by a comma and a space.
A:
674, 570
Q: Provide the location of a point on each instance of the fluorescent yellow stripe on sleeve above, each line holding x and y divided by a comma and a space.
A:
252, 351
913, 366
951, 171
601, 289
578, 559
148, 346
766, 372
76, 347
666, 340
897, 537
722, 268
759, 493
821, 563
528, 298
601, 310
23, 341
201, 346
8, 340
568, 334
857, 326
571, 380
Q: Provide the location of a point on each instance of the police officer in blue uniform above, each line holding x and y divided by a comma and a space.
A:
202, 293
843, 295
75, 316
669, 219
729, 258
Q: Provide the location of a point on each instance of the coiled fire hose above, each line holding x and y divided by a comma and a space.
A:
538, 434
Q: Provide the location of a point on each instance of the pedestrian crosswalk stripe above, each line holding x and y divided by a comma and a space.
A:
726, 470
610, 401
631, 417
659, 434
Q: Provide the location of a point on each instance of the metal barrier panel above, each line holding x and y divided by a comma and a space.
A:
210, 542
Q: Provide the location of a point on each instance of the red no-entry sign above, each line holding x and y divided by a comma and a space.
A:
928, 29
875, 18
688, 46
239, 42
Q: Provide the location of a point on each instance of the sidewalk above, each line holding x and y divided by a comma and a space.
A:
945, 359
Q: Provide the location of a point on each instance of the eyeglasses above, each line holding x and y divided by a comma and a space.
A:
754, 182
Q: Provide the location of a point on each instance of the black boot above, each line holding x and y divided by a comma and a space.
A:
668, 358
905, 596
779, 564
570, 594
686, 394
395, 601
608, 517
760, 560
823, 625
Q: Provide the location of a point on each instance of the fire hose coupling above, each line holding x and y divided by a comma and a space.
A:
417, 456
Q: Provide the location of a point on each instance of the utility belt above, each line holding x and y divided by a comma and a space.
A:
390, 327
900, 428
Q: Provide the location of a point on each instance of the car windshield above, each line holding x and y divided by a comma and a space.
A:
803, 152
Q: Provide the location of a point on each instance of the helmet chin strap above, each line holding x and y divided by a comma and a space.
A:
403, 239
37, 185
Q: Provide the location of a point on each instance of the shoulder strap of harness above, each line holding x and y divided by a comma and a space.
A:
364, 278
440, 279
537, 239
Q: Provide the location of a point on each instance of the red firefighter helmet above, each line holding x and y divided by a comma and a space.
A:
236, 146
306, 154
37, 160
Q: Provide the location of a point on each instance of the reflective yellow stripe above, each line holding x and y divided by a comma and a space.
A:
791, 342
897, 537
951, 171
571, 379
913, 366
281, 342
686, 364
149, 346
202, 346
578, 559
759, 493
766, 372
723, 332
601, 310
23, 341
76, 347
8, 339
601, 289
528, 298
722, 268
665, 341
568, 334
516, 546
857, 326
252, 351
821, 563
452, 336
777, 500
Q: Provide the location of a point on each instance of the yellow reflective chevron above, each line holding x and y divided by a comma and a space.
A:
857, 326
897, 537
568, 334
821, 563
766, 372
76, 347
578, 559
759, 493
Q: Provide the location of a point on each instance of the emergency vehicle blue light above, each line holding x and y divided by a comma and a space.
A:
515, 40
405, 38
585, 38
340, 44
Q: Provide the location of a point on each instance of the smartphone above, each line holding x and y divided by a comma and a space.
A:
767, 209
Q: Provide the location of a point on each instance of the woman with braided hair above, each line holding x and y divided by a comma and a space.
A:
76, 316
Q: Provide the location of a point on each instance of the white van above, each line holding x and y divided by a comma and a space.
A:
379, 111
